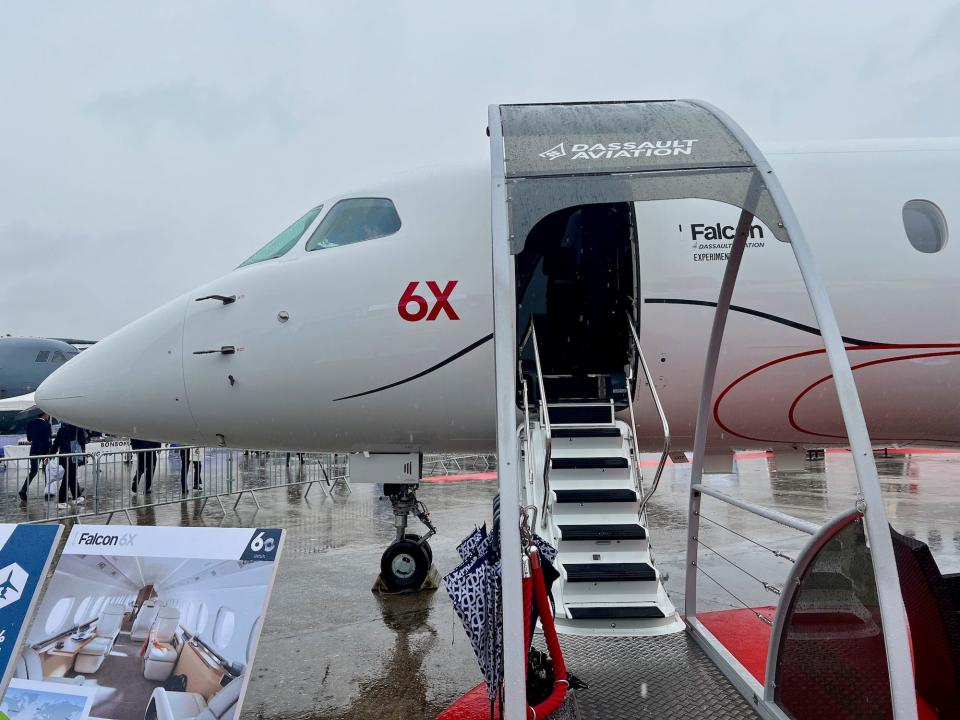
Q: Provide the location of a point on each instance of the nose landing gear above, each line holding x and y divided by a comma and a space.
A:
406, 563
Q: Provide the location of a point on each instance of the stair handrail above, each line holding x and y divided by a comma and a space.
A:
636, 446
663, 418
544, 419
528, 443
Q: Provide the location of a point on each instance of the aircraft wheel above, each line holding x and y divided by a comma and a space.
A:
413, 537
404, 566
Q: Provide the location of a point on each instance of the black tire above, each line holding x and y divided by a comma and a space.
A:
413, 537
404, 566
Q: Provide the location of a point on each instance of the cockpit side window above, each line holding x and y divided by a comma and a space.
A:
43, 355
354, 220
282, 243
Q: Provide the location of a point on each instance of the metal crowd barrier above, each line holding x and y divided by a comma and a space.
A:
105, 478
452, 464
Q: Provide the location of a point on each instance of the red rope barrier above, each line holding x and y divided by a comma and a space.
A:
560, 684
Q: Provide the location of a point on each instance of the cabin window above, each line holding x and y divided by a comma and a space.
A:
83, 611
190, 618
282, 243
925, 225
58, 615
354, 220
223, 627
42, 356
98, 606
202, 614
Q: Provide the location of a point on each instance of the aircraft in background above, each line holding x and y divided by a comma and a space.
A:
25, 362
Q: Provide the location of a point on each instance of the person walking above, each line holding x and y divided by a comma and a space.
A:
184, 454
69, 440
196, 459
38, 433
146, 463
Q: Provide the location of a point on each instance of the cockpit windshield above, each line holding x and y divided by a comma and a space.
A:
282, 243
354, 220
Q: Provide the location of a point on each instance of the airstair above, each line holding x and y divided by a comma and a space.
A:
582, 473
565, 180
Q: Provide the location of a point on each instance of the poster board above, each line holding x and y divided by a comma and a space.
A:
155, 620
25, 554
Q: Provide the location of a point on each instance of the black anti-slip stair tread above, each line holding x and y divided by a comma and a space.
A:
589, 463
629, 531
592, 496
615, 613
585, 432
609, 572
580, 414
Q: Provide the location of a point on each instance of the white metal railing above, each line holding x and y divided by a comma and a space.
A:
642, 362
544, 420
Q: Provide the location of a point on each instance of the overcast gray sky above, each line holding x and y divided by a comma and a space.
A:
146, 148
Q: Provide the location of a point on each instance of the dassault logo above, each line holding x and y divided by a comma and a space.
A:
553, 153
629, 149
98, 539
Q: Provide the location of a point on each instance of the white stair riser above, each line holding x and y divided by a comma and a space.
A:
623, 592
589, 475
594, 513
582, 552
589, 447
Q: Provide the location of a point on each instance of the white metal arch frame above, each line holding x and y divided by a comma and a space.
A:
892, 611
534, 172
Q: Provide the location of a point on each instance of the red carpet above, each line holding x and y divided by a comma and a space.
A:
743, 634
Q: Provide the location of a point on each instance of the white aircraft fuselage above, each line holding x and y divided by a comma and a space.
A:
386, 345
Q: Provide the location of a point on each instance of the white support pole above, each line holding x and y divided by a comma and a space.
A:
892, 611
706, 401
505, 350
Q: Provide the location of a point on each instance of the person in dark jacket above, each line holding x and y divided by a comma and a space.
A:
38, 433
146, 462
69, 439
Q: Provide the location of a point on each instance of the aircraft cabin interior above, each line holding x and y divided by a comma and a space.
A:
159, 638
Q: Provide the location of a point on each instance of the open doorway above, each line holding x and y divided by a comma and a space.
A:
577, 279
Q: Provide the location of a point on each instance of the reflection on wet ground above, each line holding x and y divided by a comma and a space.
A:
332, 649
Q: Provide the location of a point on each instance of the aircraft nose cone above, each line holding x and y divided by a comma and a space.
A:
130, 383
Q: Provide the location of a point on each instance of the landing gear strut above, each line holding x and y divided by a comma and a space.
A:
406, 563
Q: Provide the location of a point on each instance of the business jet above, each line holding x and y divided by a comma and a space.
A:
366, 326
7, 585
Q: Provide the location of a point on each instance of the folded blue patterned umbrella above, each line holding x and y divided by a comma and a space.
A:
474, 589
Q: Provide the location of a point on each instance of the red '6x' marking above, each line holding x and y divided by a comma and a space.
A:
442, 300
423, 309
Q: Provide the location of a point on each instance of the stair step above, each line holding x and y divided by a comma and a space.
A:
588, 463
586, 432
609, 572
621, 612
580, 414
633, 531
595, 496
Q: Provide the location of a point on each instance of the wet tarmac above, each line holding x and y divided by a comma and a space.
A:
332, 649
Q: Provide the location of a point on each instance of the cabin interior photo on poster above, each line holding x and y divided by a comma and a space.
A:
158, 638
